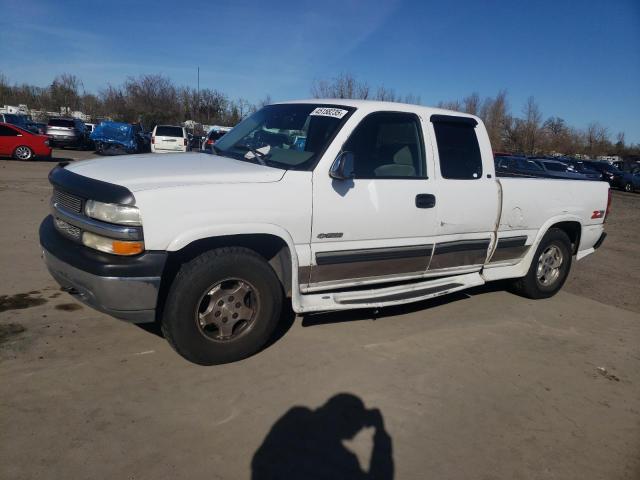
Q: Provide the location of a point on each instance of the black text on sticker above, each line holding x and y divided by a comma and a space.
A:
329, 112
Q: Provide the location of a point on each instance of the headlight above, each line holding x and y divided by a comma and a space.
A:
113, 213
109, 245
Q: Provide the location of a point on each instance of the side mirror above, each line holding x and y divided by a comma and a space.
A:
342, 168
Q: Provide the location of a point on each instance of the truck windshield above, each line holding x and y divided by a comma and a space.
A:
288, 136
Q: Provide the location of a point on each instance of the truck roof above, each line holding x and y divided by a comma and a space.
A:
377, 105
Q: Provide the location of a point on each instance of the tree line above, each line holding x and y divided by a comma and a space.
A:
148, 99
528, 133
154, 99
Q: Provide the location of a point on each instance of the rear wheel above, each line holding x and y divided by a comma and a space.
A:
23, 153
222, 306
549, 268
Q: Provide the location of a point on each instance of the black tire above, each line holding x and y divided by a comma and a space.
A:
23, 152
180, 318
628, 187
531, 286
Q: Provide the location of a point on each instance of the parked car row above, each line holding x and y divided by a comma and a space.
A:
173, 138
567, 168
115, 137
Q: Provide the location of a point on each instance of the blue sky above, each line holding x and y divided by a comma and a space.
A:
580, 59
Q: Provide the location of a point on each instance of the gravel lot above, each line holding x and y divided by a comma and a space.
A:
482, 385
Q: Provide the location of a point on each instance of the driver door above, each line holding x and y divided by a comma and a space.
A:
378, 225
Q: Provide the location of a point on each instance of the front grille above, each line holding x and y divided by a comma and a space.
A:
67, 201
67, 229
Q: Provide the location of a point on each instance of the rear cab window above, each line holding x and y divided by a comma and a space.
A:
458, 147
168, 131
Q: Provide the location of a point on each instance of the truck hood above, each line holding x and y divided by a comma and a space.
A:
151, 171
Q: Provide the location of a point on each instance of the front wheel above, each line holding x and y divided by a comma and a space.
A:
222, 306
549, 267
23, 153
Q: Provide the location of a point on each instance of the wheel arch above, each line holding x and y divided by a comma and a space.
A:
275, 246
274, 249
573, 229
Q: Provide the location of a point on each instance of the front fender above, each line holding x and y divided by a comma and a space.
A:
190, 236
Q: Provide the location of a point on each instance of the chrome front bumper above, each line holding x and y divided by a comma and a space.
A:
128, 298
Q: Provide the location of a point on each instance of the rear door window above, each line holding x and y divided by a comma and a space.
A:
527, 164
165, 131
555, 167
458, 149
7, 131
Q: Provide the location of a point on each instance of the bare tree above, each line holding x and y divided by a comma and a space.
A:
412, 99
347, 85
385, 94
471, 104
152, 100
344, 85
555, 136
65, 92
620, 144
494, 113
450, 105
531, 125
596, 139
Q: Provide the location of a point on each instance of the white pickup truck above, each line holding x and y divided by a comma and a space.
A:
337, 204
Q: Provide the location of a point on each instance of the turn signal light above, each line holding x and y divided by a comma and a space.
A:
110, 245
127, 248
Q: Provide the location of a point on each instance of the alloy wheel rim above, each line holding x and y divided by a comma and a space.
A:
549, 264
23, 153
227, 310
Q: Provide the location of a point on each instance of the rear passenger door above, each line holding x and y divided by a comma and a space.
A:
467, 194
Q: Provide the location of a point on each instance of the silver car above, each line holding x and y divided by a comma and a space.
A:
67, 132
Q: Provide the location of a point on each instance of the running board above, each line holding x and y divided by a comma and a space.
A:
387, 296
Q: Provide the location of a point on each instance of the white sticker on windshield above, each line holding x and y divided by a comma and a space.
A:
329, 112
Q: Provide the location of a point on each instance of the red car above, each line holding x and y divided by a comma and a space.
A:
21, 144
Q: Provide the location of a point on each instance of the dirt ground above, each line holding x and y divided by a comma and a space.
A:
482, 385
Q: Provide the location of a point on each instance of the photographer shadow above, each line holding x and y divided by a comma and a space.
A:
308, 444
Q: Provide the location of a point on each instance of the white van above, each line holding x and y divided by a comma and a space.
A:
168, 138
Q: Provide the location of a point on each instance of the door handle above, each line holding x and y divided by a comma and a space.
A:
425, 200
